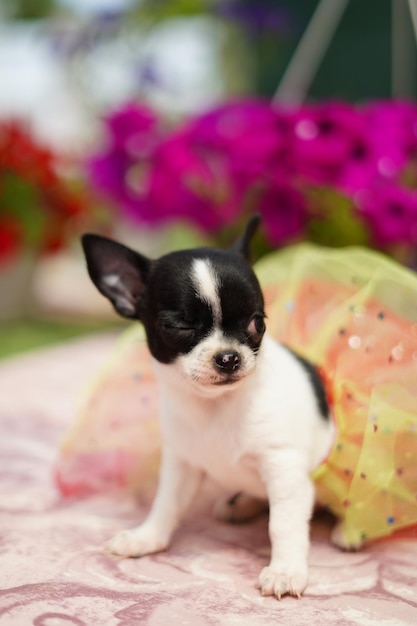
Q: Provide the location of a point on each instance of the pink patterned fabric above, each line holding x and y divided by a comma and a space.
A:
53, 571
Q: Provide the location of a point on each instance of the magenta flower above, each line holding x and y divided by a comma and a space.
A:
253, 135
325, 138
133, 128
246, 155
191, 182
390, 144
391, 213
393, 130
121, 170
205, 171
284, 211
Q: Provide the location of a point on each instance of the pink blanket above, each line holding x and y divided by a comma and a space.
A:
54, 572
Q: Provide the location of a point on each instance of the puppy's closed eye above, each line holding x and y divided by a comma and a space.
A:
172, 323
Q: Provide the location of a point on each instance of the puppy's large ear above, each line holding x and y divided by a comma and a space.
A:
118, 272
242, 245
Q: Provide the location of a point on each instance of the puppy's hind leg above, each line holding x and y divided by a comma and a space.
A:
239, 508
338, 538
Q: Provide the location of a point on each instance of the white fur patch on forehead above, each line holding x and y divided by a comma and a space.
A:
207, 286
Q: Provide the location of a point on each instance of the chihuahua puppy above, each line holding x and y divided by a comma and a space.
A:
235, 404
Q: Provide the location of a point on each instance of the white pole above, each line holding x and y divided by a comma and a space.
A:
310, 51
402, 51
413, 10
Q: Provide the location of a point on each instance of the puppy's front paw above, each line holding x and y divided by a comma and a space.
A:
281, 580
136, 542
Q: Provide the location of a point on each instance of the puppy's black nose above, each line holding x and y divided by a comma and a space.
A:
227, 361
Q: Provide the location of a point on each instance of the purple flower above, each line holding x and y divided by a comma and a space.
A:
121, 170
134, 128
246, 155
391, 212
251, 133
284, 212
393, 130
194, 184
257, 16
205, 171
389, 145
325, 138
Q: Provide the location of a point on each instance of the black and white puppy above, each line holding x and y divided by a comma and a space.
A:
236, 405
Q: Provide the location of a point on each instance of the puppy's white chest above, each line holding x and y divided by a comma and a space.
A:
213, 441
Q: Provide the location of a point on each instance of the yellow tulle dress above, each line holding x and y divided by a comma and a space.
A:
353, 312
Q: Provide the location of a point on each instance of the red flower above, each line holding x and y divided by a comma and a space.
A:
10, 239
38, 207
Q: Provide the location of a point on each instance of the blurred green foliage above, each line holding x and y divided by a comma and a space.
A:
28, 9
31, 333
334, 221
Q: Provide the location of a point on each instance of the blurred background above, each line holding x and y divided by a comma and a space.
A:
165, 123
